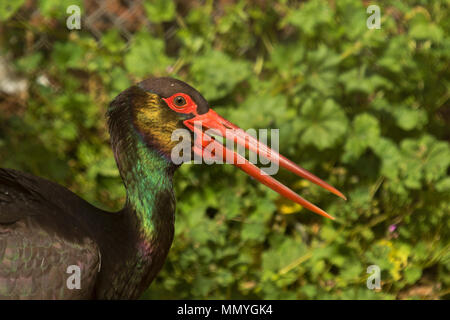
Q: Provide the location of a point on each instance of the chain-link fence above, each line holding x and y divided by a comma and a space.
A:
97, 17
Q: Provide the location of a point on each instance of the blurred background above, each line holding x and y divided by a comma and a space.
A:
365, 109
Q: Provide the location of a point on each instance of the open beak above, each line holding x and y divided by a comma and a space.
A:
219, 126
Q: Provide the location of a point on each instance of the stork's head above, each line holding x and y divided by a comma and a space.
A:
157, 107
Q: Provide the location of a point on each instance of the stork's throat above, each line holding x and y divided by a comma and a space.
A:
147, 176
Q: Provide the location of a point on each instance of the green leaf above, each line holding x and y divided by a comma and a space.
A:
424, 158
253, 231
391, 157
426, 31
285, 59
216, 75
67, 55
443, 185
354, 80
30, 63
112, 41
147, 56
352, 16
412, 274
365, 133
120, 81
409, 119
398, 56
261, 111
58, 8
309, 290
351, 271
320, 70
160, 10
282, 255
310, 15
8, 8
322, 124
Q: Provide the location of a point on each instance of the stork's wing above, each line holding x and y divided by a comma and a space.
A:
44, 252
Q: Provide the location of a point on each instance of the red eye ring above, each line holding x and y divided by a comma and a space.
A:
181, 103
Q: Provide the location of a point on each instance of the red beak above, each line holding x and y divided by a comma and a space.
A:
212, 121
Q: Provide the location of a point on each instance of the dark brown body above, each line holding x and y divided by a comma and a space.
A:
45, 228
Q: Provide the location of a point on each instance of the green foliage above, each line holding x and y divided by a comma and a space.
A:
8, 8
160, 10
147, 53
57, 8
322, 124
366, 110
212, 83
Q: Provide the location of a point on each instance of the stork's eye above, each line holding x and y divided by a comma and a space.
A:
179, 101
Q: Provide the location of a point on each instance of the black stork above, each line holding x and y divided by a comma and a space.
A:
45, 229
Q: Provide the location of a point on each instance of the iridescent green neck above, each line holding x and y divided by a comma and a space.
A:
147, 176
145, 170
142, 232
